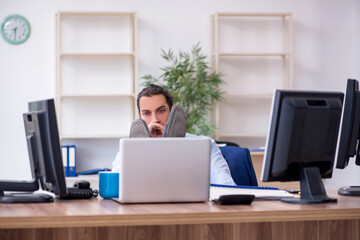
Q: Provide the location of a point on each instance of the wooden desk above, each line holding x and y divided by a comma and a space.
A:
106, 219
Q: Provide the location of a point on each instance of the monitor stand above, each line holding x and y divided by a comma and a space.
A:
312, 189
25, 198
349, 191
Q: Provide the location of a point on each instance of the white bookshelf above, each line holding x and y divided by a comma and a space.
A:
254, 51
96, 81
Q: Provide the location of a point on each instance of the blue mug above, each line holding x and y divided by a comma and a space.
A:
109, 184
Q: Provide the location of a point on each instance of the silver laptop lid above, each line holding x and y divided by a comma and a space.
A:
164, 170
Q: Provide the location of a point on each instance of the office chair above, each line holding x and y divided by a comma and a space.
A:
240, 164
226, 143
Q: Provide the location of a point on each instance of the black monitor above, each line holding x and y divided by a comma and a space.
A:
45, 157
349, 136
301, 142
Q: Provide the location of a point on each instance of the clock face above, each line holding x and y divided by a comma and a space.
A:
15, 29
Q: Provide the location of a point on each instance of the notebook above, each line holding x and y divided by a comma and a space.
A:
261, 193
164, 170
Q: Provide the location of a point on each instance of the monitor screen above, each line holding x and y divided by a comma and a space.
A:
349, 136
301, 142
44, 154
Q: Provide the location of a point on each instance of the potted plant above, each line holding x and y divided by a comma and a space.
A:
193, 85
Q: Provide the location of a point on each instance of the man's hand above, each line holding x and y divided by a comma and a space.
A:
156, 129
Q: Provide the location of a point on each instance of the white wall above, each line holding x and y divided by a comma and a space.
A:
326, 50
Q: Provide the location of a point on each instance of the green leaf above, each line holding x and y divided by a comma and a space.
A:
193, 85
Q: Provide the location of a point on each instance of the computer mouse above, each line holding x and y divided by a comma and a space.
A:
82, 184
232, 199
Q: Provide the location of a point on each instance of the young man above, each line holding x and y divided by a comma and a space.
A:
154, 105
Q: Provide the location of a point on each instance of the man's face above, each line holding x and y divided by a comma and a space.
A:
155, 112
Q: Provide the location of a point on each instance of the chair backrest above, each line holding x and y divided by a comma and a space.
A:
240, 164
226, 143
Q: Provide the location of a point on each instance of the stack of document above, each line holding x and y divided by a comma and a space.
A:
260, 193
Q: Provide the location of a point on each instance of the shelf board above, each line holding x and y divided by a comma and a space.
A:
255, 95
119, 54
89, 176
248, 135
257, 153
96, 13
93, 136
97, 95
274, 54
232, 14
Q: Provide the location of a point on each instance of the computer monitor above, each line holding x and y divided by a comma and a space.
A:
349, 136
45, 157
301, 142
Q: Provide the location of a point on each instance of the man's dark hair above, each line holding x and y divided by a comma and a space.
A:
152, 90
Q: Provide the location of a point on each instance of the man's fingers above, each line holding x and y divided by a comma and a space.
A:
156, 129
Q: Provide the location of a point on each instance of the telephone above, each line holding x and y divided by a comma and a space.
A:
80, 190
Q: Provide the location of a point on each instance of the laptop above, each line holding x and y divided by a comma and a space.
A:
156, 170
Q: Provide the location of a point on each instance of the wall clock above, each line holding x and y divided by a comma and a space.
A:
15, 29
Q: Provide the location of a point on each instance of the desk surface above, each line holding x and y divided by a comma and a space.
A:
100, 212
